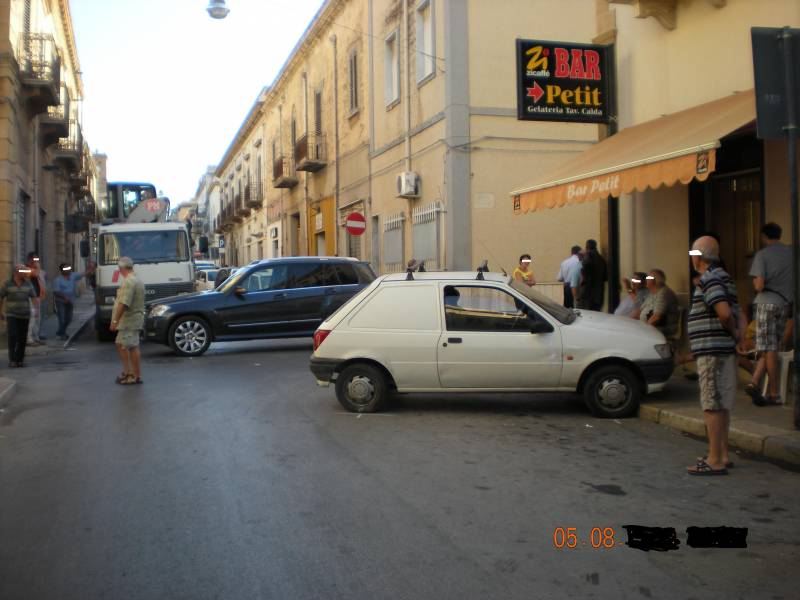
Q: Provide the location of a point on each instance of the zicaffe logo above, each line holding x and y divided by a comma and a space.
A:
537, 65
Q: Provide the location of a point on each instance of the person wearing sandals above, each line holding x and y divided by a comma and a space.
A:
714, 327
128, 320
772, 279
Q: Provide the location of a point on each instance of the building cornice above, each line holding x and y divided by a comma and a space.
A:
664, 11
69, 34
247, 126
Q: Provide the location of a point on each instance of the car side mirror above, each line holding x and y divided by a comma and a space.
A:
541, 326
240, 291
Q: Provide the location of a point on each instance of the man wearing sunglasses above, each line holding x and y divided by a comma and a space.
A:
714, 326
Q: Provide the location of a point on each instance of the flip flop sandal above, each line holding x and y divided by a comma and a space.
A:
122, 377
728, 465
703, 468
138, 380
129, 380
752, 390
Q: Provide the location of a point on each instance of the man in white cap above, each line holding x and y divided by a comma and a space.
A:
127, 319
714, 330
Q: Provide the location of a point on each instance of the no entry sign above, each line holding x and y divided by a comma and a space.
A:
355, 224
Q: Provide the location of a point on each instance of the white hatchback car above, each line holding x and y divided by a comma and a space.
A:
462, 332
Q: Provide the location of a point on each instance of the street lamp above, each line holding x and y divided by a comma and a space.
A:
217, 9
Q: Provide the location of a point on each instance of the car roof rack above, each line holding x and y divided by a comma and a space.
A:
482, 268
413, 265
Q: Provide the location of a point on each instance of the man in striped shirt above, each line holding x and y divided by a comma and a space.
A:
714, 330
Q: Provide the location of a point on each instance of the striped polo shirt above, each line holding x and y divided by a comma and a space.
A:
706, 333
18, 298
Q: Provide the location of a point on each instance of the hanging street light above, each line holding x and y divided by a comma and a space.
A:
217, 9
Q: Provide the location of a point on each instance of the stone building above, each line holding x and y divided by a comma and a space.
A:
403, 111
48, 181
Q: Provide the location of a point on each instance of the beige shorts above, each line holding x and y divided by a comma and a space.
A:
717, 374
127, 338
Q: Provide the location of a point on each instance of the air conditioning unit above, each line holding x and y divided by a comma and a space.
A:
408, 185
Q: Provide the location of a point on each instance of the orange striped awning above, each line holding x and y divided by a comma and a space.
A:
671, 149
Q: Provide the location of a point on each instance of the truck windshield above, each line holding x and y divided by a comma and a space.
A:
144, 246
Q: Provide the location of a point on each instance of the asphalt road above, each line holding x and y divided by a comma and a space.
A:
233, 476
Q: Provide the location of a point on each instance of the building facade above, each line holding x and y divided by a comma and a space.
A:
685, 76
48, 181
403, 111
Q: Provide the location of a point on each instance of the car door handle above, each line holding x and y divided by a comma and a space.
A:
330, 291
454, 340
279, 297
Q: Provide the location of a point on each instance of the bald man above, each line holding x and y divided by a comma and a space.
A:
714, 326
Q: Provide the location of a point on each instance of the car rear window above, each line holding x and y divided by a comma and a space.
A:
347, 274
408, 307
311, 274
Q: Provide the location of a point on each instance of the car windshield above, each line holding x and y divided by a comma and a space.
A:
232, 281
564, 315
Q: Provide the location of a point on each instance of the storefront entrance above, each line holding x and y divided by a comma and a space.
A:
730, 205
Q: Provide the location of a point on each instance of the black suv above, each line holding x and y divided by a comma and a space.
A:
274, 298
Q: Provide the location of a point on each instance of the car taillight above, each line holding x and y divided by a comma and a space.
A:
319, 337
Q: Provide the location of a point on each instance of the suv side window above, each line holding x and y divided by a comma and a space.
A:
267, 278
347, 274
316, 274
474, 308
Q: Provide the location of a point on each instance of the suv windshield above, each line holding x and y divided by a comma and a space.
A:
564, 315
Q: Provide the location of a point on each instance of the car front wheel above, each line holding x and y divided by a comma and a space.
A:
362, 388
190, 336
612, 392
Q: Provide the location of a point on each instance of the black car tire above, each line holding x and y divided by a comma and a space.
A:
362, 388
612, 392
189, 336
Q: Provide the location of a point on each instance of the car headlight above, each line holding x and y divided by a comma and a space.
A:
664, 350
158, 310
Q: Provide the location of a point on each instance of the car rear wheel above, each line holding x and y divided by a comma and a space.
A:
362, 388
190, 336
612, 392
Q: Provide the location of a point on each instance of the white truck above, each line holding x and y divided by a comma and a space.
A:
162, 259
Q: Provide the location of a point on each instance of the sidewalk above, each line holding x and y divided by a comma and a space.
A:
82, 317
764, 431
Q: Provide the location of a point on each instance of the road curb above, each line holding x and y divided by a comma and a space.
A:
762, 440
7, 388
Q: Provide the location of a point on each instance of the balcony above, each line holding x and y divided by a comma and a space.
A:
39, 70
240, 210
54, 123
85, 213
218, 228
283, 173
309, 152
254, 194
69, 150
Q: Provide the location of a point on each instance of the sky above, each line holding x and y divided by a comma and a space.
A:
167, 87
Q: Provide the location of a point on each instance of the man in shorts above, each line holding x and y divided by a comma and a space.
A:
127, 320
772, 279
714, 327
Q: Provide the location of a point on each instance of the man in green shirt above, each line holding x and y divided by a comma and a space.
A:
15, 308
127, 320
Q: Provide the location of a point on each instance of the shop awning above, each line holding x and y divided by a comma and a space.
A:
675, 148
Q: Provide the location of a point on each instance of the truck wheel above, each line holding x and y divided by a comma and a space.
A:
612, 392
361, 388
190, 336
